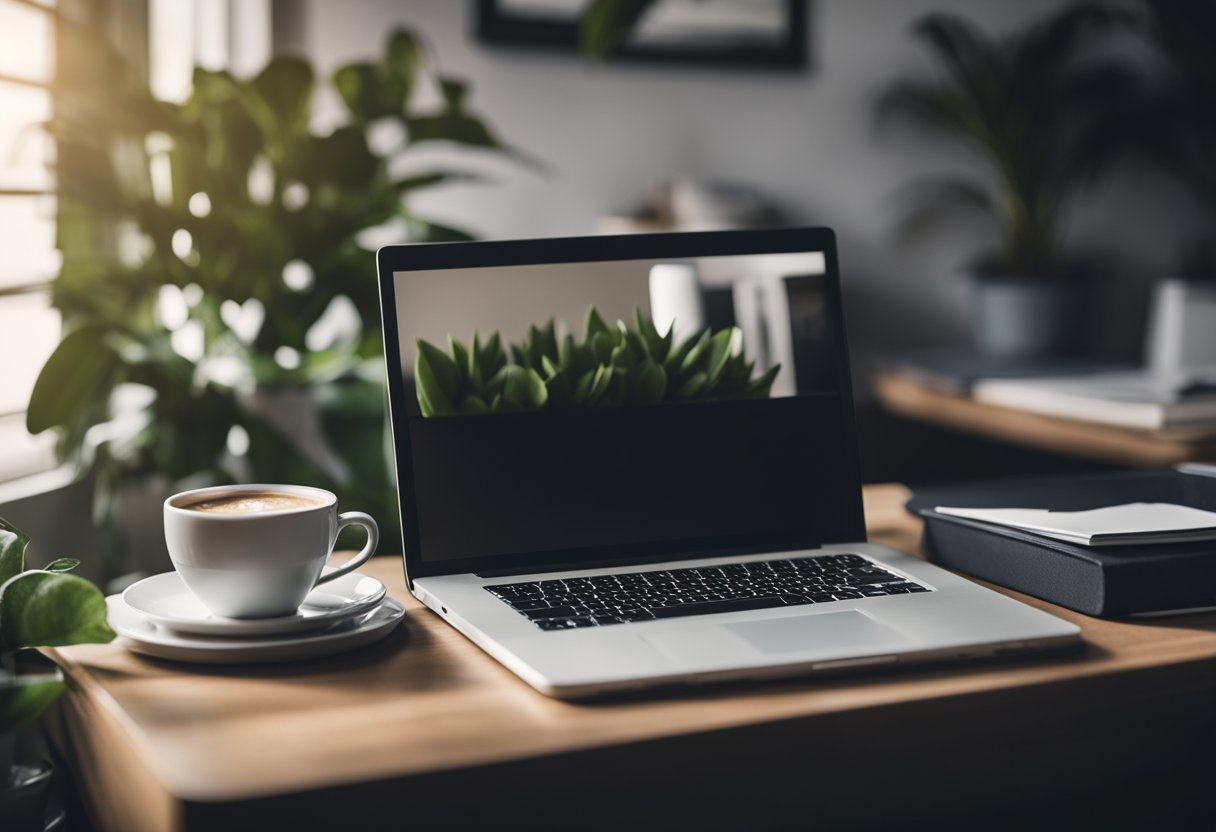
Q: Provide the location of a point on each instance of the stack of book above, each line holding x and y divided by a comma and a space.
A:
1133, 399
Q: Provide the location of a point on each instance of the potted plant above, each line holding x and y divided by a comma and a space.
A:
611, 366
218, 289
1040, 119
38, 608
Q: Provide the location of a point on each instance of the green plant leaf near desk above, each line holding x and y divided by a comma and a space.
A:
39, 608
218, 286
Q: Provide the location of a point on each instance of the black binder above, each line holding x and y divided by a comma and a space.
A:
1105, 581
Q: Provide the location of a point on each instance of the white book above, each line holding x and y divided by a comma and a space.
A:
1135, 399
1121, 525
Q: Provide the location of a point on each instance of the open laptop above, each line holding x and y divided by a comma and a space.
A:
704, 529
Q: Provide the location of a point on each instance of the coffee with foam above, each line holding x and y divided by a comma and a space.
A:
252, 502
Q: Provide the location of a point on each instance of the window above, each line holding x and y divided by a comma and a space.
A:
233, 34
29, 327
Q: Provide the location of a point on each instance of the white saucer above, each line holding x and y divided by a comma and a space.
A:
165, 600
139, 635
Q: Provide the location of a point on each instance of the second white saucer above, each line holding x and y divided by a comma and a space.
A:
166, 601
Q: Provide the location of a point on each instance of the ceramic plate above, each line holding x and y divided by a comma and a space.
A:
165, 601
141, 636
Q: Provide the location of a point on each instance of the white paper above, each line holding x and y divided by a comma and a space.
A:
1110, 525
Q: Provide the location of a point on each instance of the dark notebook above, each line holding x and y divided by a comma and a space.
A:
1097, 580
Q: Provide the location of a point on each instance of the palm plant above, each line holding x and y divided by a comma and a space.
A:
1174, 120
1036, 114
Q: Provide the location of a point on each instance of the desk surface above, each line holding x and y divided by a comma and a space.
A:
425, 718
1124, 446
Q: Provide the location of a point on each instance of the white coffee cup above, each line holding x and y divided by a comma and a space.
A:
263, 560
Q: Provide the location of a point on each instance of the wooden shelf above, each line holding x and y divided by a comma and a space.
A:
1124, 446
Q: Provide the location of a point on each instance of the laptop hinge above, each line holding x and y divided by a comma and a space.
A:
602, 563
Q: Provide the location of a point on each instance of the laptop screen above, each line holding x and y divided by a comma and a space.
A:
625, 410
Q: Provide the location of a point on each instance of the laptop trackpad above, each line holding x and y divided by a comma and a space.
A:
827, 632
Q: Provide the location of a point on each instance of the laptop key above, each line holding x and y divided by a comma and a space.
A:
550, 612
713, 607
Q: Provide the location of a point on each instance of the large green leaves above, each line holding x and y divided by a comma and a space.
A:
231, 202
51, 609
375, 90
1014, 100
79, 368
13, 543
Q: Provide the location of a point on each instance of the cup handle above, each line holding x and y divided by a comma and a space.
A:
354, 518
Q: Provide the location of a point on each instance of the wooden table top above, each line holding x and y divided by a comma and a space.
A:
1106, 443
150, 737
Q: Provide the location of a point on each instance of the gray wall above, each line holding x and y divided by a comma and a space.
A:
611, 133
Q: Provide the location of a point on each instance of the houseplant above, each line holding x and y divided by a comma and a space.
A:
1171, 120
218, 289
1040, 120
38, 608
611, 366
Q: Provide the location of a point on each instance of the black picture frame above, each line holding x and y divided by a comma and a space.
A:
498, 26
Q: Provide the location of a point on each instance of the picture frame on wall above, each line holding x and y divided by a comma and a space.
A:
768, 34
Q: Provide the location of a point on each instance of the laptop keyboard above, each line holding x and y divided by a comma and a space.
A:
599, 600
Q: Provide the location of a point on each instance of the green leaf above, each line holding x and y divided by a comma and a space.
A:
719, 353
759, 388
602, 346
696, 351
13, 542
76, 376
594, 324
51, 609
695, 384
460, 356
473, 405
286, 85
656, 345
62, 565
524, 387
444, 369
366, 94
649, 383
432, 396
25, 696
343, 159
599, 384
402, 61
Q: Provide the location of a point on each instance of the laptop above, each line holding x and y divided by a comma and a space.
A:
630, 497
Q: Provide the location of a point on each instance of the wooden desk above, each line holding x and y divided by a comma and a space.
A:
1105, 443
425, 729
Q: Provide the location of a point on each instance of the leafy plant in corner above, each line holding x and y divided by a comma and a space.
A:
616, 366
1040, 118
219, 253
38, 608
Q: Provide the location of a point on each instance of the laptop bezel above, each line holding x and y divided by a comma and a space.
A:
425, 257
